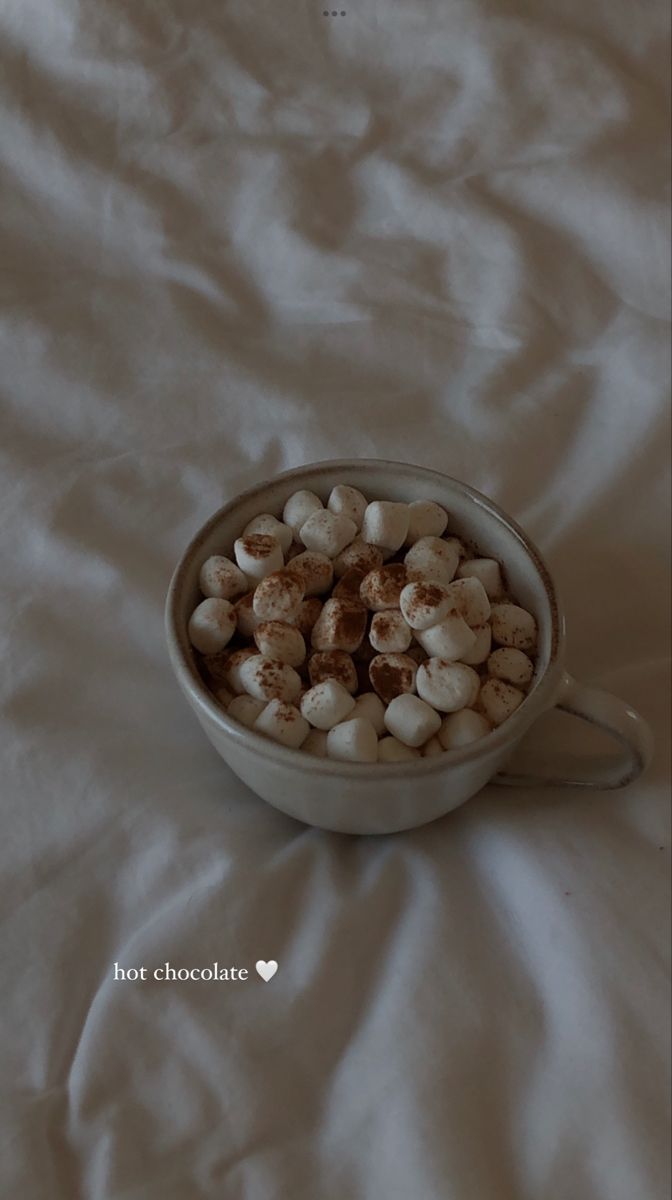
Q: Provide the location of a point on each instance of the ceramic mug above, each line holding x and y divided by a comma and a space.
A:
387, 797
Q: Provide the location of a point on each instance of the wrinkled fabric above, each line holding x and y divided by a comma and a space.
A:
236, 238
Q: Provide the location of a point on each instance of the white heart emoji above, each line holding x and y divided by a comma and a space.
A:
266, 969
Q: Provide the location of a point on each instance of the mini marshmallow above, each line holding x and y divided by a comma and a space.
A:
431, 560
358, 554
391, 675
221, 578
212, 625
451, 638
353, 741
385, 524
315, 570
487, 570
326, 704
282, 642
234, 666
461, 728
447, 686
316, 743
411, 720
308, 613
390, 749
299, 508
283, 723
499, 700
347, 502
370, 706
389, 633
481, 647
266, 679
424, 604
513, 626
246, 618
340, 626
426, 519
278, 597
223, 696
382, 587
432, 747
511, 665
470, 599
333, 664
258, 555
326, 533
266, 523
246, 709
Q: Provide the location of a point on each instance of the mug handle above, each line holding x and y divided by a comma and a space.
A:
617, 719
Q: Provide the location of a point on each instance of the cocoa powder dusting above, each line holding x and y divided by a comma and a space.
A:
332, 664
428, 593
391, 675
270, 672
350, 623
395, 574
363, 557
349, 584
258, 545
302, 573
384, 585
383, 625
425, 595
500, 688
282, 583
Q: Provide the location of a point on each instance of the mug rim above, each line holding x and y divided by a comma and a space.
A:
188, 676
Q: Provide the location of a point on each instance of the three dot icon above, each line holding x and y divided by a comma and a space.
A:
334, 13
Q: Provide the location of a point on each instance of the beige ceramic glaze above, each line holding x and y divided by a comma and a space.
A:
384, 798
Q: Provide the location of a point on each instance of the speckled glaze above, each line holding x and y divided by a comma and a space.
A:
385, 798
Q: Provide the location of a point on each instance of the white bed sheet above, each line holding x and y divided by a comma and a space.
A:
236, 238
